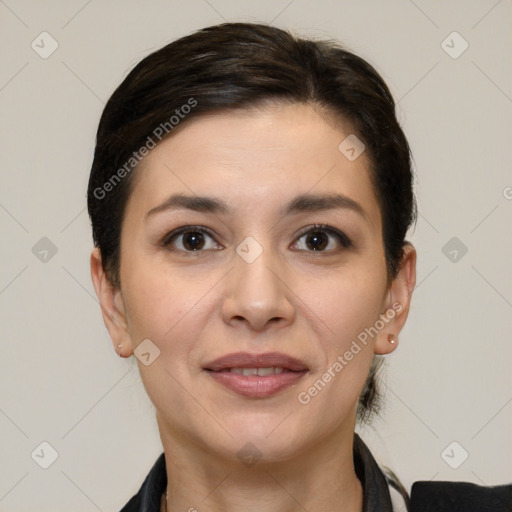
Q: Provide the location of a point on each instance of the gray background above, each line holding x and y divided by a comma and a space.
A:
61, 381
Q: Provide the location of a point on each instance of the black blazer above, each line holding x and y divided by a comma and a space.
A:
425, 496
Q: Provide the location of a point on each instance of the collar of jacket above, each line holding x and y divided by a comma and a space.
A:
376, 497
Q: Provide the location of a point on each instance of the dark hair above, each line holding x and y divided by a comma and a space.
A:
242, 65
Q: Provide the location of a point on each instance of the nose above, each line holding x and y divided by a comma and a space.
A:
257, 292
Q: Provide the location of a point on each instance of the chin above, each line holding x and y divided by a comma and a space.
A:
267, 435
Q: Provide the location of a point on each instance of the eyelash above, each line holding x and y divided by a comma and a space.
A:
343, 239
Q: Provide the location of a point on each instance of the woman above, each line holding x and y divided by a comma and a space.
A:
250, 196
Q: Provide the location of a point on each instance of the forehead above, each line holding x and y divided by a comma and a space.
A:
255, 158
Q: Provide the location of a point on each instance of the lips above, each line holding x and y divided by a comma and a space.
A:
256, 375
266, 360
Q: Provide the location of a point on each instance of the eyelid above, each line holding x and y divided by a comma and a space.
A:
343, 239
166, 241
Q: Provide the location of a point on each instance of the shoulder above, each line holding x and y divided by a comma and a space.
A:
431, 496
149, 495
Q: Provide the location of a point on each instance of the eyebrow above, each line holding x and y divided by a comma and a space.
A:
302, 203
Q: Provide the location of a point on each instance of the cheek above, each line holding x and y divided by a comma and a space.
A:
157, 307
165, 309
166, 306
348, 304
346, 312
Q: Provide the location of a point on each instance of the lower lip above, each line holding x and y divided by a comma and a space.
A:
254, 386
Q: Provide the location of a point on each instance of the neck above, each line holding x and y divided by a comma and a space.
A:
320, 478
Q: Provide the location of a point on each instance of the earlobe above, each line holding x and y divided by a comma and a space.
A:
112, 306
397, 303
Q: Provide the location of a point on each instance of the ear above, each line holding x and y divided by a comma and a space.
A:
112, 306
397, 302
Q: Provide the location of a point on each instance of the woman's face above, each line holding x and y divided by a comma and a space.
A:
263, 281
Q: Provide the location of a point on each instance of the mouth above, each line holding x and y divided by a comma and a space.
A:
256, 375
262, 372
265, 361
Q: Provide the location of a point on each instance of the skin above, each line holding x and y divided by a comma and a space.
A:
198, 305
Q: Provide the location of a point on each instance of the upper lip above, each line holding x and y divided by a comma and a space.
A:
265, 360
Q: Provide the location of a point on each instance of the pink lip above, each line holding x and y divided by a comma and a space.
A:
255, 386
246, 360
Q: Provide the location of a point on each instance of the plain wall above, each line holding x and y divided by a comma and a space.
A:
61, 382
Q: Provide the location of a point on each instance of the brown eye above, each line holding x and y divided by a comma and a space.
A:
189, 239
193, 240
319, 238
